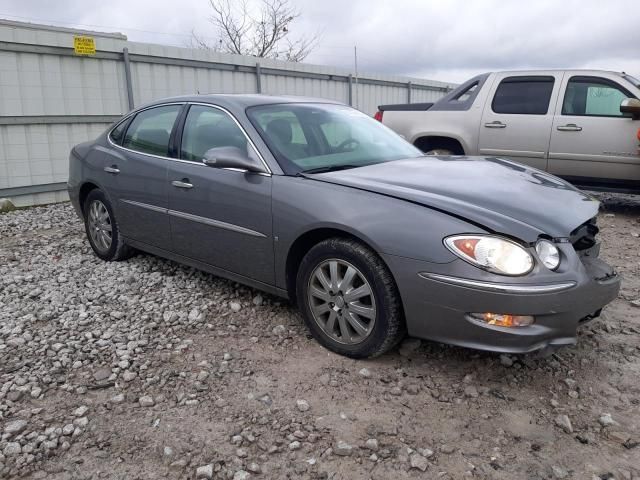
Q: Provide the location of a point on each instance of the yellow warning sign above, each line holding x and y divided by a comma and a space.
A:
84, 45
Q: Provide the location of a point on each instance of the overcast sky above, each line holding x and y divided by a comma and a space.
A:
435, 39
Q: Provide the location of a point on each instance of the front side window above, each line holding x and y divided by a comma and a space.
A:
206, 128
309, 136
523, 95
150, 130
593, 96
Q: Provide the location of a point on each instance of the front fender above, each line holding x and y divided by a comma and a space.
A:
388, 225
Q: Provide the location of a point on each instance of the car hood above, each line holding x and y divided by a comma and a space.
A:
497, 194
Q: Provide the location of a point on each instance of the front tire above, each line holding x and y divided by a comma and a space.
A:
349, 299
102, 228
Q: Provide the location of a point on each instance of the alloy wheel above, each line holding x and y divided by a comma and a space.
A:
100, 227
342, 301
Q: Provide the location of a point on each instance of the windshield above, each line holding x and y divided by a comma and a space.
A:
318, 137
633, 80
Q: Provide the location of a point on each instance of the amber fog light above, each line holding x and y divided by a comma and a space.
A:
504, 320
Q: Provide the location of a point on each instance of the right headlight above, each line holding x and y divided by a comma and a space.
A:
548, 254
496, 254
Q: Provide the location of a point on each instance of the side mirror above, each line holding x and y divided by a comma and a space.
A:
632, 106
230, 157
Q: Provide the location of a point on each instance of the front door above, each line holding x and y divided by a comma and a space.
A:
516, 121
218, 216
591, 139
136, 175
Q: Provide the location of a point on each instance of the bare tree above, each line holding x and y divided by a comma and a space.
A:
259, 32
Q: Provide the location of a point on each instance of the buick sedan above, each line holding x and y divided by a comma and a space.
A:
315, 201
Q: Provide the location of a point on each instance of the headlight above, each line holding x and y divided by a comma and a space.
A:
495, 254
548, 254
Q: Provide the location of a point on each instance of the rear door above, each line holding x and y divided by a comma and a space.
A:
136, 174
220, 216
592, 141
517, 118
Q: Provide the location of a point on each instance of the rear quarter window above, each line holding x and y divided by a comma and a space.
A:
117, 134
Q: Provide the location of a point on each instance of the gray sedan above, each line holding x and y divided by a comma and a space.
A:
314, 201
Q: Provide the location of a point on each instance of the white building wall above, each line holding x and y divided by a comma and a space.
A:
51, 99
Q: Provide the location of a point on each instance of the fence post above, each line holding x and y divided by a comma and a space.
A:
127, 77
258, 78
408, 92
350, 90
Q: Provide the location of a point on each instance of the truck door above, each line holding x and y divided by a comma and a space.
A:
592, 142
517, 118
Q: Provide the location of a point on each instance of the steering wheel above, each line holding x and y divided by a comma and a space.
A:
349, 141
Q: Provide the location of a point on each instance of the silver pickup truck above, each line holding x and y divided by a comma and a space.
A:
582, 125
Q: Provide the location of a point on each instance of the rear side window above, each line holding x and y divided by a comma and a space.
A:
593, 96
150, 130
523, 95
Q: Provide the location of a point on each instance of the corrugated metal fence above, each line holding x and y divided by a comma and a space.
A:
51, 98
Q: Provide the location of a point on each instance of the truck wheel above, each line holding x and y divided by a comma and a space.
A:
439, 151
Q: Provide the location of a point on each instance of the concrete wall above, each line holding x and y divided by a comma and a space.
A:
52, 99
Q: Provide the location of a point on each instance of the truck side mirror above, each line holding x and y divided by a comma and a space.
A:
632, 106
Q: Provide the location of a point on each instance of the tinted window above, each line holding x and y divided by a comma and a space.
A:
150, 130
206, 128
117, 133
308, 136
466, 94
593, 96
523, 95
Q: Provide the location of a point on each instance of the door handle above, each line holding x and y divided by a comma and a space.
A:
184, 183
112, 169
570, 127
496, 124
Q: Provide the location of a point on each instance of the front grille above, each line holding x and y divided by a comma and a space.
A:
584, 237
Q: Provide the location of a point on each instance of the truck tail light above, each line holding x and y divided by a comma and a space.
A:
378, 115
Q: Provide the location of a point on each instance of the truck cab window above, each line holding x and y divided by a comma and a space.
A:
523, 95
593, 96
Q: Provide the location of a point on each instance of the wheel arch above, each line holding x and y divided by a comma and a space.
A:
84, 191
429, 142
307, 240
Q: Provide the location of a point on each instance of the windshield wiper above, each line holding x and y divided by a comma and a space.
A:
331, 168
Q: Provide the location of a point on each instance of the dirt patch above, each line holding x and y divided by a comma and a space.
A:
185, 375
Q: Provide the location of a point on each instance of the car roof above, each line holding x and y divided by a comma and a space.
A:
233, 100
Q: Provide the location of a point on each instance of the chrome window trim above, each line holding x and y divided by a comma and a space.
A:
268, 171
136, 112
499, 287
242, 129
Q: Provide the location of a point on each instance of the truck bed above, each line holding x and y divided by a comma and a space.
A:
405, 107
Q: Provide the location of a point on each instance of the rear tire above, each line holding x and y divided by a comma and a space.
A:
439, 151
349, 300
102, 228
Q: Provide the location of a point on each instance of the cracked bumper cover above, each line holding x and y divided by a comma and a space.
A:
437, 304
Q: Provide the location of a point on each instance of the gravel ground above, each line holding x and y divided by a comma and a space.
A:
148, 369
